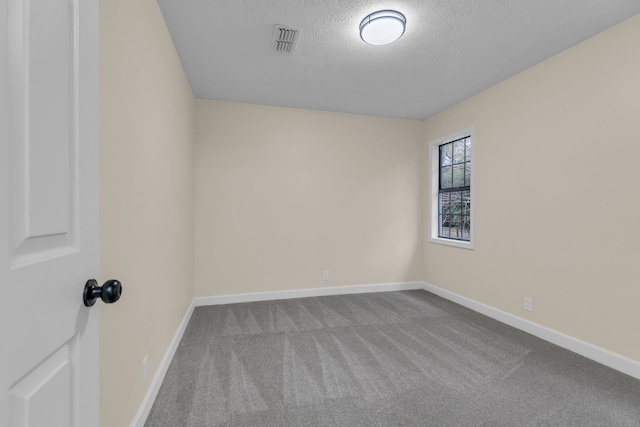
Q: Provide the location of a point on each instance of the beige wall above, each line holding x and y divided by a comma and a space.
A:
283, 194
146, 198
557, 206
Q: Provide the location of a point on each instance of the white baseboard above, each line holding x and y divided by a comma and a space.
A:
152, 392
608, 358
304, 293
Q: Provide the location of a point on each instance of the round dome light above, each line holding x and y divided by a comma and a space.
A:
382, 27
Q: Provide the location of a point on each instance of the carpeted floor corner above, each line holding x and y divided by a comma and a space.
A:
383, 359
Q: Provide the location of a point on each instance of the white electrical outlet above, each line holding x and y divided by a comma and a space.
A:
325, 275
144, 370
528, 304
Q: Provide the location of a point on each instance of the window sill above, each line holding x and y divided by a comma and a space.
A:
450, 242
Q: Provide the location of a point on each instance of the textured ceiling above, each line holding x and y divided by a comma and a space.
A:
450, 50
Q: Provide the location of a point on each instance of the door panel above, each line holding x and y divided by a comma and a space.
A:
43, 137
45, 395
48, 212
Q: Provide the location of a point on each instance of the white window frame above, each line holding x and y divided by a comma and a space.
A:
434, 161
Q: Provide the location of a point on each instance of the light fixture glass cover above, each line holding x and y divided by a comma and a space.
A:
382, 27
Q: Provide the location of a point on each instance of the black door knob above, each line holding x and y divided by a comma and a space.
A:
109, 292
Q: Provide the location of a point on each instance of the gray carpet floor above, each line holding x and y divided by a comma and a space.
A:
383, 359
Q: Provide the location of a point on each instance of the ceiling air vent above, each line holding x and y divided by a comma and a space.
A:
284, 39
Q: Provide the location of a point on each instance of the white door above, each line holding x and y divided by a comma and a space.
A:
48, 212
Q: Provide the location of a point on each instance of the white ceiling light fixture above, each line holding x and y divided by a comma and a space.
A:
382, 27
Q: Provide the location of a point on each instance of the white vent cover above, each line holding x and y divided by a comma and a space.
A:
284, 39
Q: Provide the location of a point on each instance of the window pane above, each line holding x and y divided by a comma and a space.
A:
458, 176
443, 204
458, 151
456, 227
466, 228
446, 176
466, 202
457, 233
445, 154
467, 174
445, 220
467, 143
444, 226
450, 232
456, 198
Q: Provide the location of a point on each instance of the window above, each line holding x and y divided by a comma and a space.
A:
451, 195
